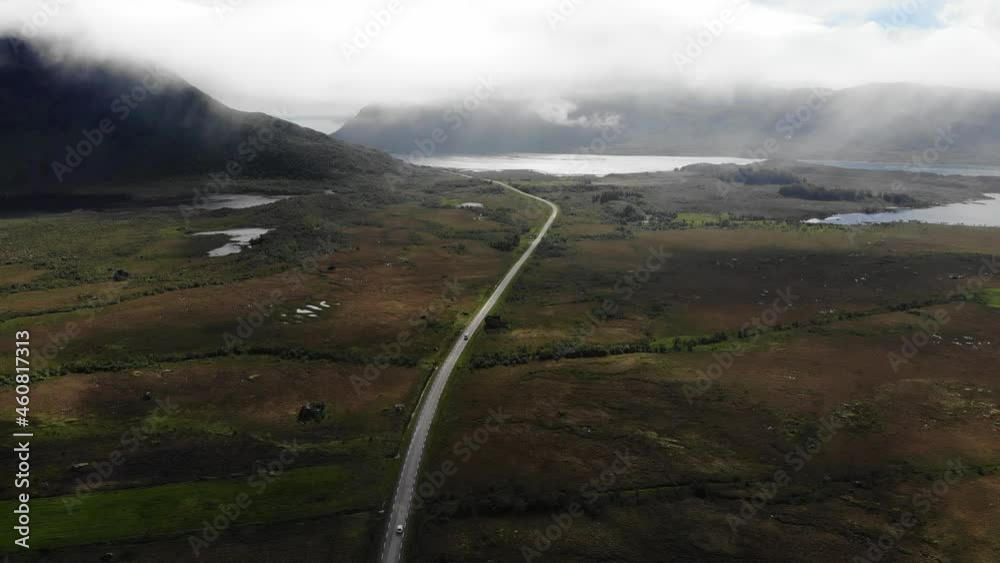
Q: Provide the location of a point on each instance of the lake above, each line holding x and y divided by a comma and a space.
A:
985, 213
973, 213
574, 164
237, 201
603, 165
238, 240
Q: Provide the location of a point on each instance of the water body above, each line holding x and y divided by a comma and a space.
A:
984, 213
603, 165
237, 201
908, 167
238, 240
575, 164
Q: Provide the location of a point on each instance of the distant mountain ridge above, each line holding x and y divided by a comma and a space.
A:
879, 122
71, 123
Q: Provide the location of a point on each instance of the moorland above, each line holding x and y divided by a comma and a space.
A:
702, 336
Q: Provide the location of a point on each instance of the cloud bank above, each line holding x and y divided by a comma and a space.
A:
323, 61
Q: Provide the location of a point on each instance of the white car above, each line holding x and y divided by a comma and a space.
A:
399, 530
466, 336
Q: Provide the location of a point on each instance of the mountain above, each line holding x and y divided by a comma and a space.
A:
496, 127
71, 122
881, 122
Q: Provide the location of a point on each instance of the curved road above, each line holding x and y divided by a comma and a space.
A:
392, 546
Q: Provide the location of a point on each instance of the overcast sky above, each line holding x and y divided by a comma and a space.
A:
323, 60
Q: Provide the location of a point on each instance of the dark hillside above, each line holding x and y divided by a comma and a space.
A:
155, 125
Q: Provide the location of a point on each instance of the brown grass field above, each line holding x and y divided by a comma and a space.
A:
694, 462
218, 413
634, 382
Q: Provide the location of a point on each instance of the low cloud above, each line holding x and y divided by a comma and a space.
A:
565, 113
258, 54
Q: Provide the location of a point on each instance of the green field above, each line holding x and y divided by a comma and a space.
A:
166, 510
993, 297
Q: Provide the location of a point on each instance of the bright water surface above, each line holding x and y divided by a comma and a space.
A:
237, 201
238, 240
985, 213
575, 164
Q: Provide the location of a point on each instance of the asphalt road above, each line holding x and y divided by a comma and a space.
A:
392, 546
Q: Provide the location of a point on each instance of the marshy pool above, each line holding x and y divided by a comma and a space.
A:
238, 240
981, 213
238, 201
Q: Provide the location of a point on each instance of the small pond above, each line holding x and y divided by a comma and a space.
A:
984, 213
238, 240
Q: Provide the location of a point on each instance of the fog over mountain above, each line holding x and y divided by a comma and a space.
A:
726, 77
326, 61
884, 122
